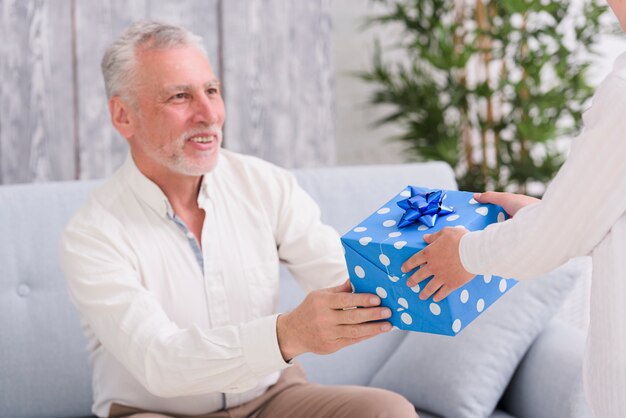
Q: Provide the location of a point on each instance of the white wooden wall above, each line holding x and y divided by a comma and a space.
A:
274, 58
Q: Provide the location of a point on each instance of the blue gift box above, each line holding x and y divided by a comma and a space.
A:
376, 248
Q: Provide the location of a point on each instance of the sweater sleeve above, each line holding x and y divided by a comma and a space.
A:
579, 207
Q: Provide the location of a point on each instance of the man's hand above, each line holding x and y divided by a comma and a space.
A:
330, 319
510, 202
441, 261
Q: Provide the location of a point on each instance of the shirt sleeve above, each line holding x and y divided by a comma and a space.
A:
579, 207
105, 285
310, 249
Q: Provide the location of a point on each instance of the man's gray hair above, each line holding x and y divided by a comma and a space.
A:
119, 61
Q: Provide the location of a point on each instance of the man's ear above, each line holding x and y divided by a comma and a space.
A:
122, 116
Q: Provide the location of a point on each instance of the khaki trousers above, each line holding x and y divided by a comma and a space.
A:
294, 397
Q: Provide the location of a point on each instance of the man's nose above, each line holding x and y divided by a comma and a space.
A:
205, 110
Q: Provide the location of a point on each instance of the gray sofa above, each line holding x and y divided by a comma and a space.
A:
44, 370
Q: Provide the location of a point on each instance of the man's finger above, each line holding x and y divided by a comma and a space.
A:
364, 330
344, 287
362, 315
349, 341
350, 300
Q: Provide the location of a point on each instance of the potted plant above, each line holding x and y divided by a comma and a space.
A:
487, 86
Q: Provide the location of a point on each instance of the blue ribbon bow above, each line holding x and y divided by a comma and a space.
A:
424, 207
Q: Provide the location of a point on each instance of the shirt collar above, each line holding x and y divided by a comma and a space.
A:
209, 180
149, 192
145, 188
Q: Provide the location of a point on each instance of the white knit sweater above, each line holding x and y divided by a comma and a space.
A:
581, 213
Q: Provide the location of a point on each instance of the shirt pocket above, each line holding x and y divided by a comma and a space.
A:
263, 288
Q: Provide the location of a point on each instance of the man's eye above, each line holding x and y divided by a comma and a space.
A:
212, 90
180, 96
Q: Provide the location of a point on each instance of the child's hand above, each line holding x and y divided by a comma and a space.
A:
441, 261
510, 202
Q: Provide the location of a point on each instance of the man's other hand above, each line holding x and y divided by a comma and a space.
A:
330, 319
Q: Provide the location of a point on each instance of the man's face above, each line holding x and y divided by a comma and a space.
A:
178, 113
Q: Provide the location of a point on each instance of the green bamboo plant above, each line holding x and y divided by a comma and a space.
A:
487, 86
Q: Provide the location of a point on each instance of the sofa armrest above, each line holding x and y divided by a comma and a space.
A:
548, 382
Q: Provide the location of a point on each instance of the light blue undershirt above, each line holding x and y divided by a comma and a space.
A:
197, 252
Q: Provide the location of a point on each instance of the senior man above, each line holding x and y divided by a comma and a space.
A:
173, 262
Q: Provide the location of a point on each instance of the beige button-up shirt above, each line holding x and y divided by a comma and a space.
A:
175, 328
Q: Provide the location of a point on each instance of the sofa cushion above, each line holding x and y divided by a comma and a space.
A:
43, 362
555, 360
465, 376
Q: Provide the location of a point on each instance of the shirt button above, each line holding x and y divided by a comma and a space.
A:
190, 235
23, 290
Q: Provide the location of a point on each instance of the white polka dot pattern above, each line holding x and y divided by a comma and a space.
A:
435, 309
398, 245
360, 273
456, 326
464, 296
480, 305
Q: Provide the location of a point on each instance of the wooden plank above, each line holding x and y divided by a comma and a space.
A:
102, 149
36, 113
278, 80
199, 16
